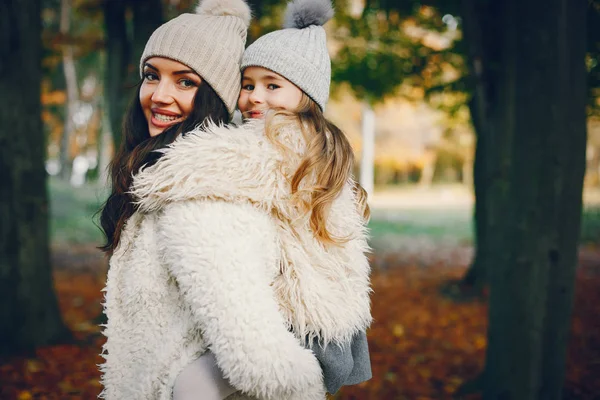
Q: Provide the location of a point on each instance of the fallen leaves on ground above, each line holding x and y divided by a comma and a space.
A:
423, 345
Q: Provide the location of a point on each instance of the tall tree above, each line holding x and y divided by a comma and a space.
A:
482, 31
125, 41
29, 314
539, 131
70, 73
118, 51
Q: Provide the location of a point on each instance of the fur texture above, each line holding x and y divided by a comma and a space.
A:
323, 292
217, 257
188, 278
236, 8
300, 14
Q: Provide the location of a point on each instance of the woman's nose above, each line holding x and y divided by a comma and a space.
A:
162, 94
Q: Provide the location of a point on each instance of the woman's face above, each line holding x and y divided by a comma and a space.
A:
167, 93
263, 89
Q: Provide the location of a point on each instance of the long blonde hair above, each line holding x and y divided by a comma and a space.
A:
328, 158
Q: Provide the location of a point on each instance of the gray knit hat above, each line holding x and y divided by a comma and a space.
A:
210, 42
299, 51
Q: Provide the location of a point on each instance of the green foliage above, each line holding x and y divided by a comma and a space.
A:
593, 57
389, 44
372, 73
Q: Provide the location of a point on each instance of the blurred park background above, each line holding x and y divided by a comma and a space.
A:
463, 202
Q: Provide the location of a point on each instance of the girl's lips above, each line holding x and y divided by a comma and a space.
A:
255, 114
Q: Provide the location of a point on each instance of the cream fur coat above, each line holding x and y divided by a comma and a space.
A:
217, 257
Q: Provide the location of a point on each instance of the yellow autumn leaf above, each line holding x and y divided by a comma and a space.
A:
25, 395
34, 366
480, 342
398, 330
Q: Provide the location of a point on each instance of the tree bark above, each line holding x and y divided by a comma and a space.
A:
542, 101
123, 53
29, 314
147, 16
428, 170
104, 145
72, 91
117, 60
571, 140
482, 29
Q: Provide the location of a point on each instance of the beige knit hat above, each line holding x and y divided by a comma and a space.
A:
299, 51
210, 42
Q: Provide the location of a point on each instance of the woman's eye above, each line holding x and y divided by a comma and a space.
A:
187, 83
248, 87
272, 86
150, 76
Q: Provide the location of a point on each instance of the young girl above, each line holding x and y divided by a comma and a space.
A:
273, 200
185, 278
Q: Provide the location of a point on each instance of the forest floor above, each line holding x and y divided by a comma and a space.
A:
423, 344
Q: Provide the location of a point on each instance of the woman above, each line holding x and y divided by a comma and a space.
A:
272, 202
164, 310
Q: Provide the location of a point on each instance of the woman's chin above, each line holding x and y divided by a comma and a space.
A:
157, 130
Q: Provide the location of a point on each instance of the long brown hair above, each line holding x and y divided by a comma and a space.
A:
138, 148
328, 158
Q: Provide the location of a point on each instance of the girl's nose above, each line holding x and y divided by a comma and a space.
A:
256, 96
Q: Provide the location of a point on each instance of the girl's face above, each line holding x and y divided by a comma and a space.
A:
263, 89
167, 93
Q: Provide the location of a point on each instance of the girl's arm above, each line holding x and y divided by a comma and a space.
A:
220, 255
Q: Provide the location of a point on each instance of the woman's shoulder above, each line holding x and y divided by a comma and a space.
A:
226, 162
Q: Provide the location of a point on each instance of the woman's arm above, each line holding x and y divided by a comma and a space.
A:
220, 254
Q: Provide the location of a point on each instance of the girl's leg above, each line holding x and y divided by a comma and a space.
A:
202, 380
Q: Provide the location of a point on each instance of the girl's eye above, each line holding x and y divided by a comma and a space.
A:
187, 83
248, 87
150, 76
272, 86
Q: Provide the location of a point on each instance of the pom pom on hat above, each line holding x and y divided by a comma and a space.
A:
220, 8
300, 14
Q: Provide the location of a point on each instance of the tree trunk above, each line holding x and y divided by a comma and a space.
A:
428, 170
123, 53
29, 314
72, 91
531, 290
367, 160
482, 29
571, 150
476, 274
147, 16
104, 146
467, 171
117, 61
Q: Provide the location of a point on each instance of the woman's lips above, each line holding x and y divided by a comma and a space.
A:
163, 118
162, 124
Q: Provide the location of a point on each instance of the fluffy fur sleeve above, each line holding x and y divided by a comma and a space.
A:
221, 255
